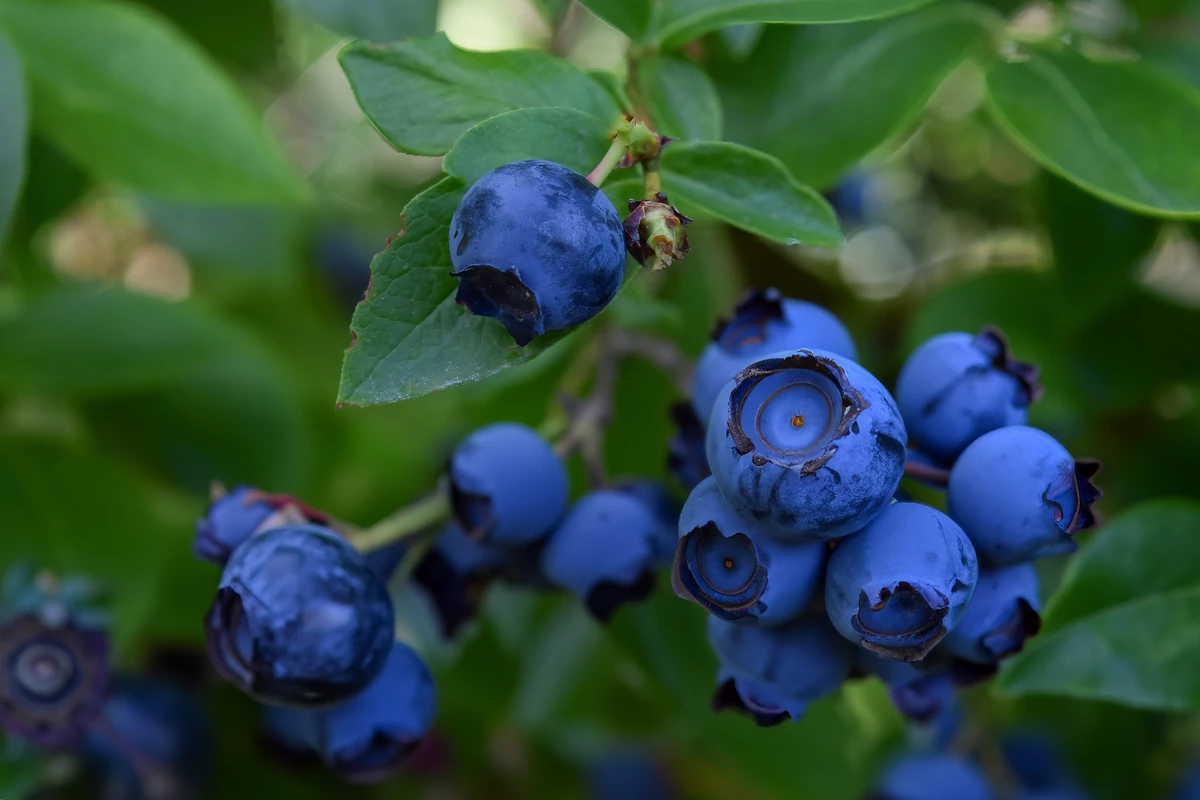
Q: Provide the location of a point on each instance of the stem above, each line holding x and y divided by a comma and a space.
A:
651, 179
408, 521
607, 164
924, 472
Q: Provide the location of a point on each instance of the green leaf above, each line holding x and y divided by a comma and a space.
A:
1121, 626
681, 99
409, 336
373, 20
14, 132
631, 17
87, 342
683, 20
749, 190
422, 95
569, 137
160, 117
1088, 121
822, 97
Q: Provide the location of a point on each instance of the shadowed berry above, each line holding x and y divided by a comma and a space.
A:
931, 777
1002, 614
156, 742
1020, 495
808, 442
284, 735
538, 247
53, 679
1040, 770
686, 458
299, 619
764, 323
729, 565
604, 551
507, 486
654, 496
956, 387
1188, 785
773, 673
629, 775
898, 585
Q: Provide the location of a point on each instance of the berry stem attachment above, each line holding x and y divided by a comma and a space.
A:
651, 179
616, 151
410, 520
927, 473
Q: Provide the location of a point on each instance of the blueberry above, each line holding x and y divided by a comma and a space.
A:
773, 673
808, 442
507, 486
931, 777
230, 520
654, 496
956, 387
901, 583
455, 574
1019, 495
629, 774
156, 741
1187, 787
727, 563
538, 247
369, 737
686, 458
763, 323
1039, 768
53, 679
1002, 614
299, 619
284, 735
604, 551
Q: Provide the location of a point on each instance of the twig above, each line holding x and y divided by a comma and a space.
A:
663, 353
927, 473
408, 521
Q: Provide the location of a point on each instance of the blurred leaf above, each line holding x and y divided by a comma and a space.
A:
1179, 55
742, 39
240, 33
86, 342
551, 10
161, 117
683, 20
409, 336
554, 663
1121, 627
373, 20
1098, 248
56, 182
681, 99
20, 769
83, 514
1087, 121
566, 136
631, 17
822, 97
14, 131
422, 95
614, 86
748, 189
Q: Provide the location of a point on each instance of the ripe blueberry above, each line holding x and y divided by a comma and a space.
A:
807, 442
654, 496
1019, 495
507, 486
727, 563
931, 777
773, 673
538, 247
299, 619
604, 551
629, 774
156, 741
230, 520
763, 323
686, 458
1002, 614
956, 387
901, 583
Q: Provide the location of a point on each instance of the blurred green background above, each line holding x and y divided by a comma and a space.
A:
152, 342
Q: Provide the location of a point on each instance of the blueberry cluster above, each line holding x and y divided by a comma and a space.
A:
132, 735
800, 543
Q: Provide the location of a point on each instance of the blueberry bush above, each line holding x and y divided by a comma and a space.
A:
599, 399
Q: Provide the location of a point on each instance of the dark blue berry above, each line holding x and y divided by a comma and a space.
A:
773, 673
1020, 495
230, 520
764, 323
728, 563
1039, 769
901, 583
686, 458
1188, 785
299, 619
456, 573
629, 774
932, 777
156, 741
538, 247
507, 485
1002, 614
956, 387
654, 496
604, 551
809, 442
